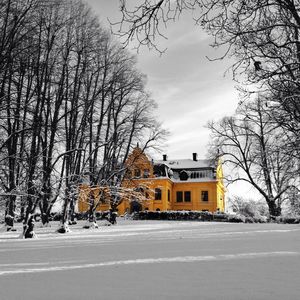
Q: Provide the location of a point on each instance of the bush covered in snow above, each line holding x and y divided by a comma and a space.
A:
252, 210
288, 219
173, 215
198, 216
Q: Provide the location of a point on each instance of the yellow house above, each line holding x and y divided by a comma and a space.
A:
177, 184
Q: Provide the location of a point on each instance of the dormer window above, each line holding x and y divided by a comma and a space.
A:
202, 174
183, 175
159, 171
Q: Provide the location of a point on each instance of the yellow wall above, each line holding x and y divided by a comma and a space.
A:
196, 203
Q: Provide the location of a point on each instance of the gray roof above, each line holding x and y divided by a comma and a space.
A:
187, 163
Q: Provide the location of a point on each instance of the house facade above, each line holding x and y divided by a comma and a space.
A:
168, 184
184, 184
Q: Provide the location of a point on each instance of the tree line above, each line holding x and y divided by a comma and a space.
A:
72, 105
262, 140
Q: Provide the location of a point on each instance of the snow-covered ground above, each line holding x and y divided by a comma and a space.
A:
153, 260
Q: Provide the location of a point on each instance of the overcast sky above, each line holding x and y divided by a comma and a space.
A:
190, 90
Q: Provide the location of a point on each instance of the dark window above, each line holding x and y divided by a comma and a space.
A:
187, 196
183, 175
157, 194
169, 195
159, 171
137, 173
204, 195
179, 196
146, 173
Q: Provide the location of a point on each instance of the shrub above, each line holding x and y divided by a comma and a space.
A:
236, 218
288, 219
249, 220
220, 217
260, 219
248, 207
190, 216
209, 216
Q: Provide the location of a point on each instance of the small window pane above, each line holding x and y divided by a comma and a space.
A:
187, 196
157, 194
179, 196
204, 195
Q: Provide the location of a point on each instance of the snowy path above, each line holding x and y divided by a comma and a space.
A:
154, 260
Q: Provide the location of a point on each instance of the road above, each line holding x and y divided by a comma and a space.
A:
154, 260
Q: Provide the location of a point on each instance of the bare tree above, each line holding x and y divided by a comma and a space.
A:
15, 83
148, 19
72, 104
262, 36
128, 117
252, 143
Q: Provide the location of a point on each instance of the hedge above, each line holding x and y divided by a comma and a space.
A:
209, 216
188, 215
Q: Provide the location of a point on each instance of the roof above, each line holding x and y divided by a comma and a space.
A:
190, 180
187, 163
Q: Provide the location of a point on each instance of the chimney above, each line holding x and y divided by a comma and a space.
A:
194, 156
165, 157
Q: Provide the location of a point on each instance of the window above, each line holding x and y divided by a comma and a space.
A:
184, 175
157, 194
204, 195
137, 173
202, 174
187, 196
183, 196
146, 173
179, 197
169, 195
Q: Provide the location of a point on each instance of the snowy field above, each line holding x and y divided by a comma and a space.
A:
153, 260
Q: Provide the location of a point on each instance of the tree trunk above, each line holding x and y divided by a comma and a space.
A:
91, 214
63, 222
44, 213
72, 211
274, 210
10, 212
